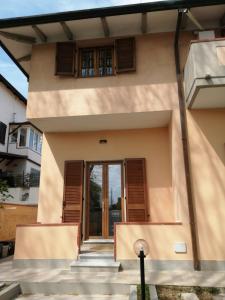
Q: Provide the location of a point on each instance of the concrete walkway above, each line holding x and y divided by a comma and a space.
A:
184, 278
72, 297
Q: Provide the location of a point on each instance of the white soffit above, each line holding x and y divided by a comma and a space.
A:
104, 122
125, 25
210, 97
162, 21
86, 29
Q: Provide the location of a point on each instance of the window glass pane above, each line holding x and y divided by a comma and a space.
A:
105, 61
87, 63
39, 144
35, 141
23, 137
14, 137
31, 141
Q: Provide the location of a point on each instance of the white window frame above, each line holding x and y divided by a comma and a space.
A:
39, 140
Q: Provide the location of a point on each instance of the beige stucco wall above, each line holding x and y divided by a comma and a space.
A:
207, 146
152, 144
151, 88
160, 238
46, 242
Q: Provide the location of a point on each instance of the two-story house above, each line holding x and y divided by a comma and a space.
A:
132, 149
20, 147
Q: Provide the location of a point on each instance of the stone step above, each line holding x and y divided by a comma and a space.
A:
74, 287
96, 247
95, 265
96, 255
99, 241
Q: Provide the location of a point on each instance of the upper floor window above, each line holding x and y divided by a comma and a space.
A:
96, 61
3, 128
35, 140
27, 137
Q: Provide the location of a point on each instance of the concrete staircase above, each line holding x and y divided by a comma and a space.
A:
96, 256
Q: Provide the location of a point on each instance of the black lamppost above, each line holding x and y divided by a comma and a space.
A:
141, 249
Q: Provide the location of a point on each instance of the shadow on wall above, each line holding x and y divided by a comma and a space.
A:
154, 65
206, 136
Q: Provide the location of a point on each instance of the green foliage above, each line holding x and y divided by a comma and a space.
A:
4, 192
147, 292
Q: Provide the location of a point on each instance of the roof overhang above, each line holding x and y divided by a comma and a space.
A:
19, 34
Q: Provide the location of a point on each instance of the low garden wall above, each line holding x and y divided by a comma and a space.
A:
46, 244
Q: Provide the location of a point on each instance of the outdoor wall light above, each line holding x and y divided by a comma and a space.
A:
141, 245
103, 141
141, 249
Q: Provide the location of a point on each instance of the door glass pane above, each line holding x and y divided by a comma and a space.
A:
114, 196
96, 187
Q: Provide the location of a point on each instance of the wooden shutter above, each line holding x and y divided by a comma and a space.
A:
73, 191
125, 55
65, 58
136, 193
3, 127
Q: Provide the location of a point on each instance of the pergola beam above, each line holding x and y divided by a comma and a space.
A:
18, 37
39, 33
144, 23
24, 58
105, 27
67, 30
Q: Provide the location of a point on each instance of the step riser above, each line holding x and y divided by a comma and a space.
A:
79, 288
91, 258
83, 269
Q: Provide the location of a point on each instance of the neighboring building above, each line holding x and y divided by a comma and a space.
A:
121, 143
20, 147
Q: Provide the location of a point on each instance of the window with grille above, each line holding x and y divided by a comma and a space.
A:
96, 62
3, 127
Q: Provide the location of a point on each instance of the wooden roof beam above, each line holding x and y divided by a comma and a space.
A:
18, 37
39, 33
67, 31
24, 58
144, 23
105, 26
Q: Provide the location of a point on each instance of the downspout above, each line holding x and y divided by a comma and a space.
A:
184, 133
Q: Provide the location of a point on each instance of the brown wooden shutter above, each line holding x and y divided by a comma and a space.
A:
125, 55
73, 191
136, 192
65, 58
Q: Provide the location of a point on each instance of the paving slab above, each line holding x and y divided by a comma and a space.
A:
189, 296
219, 297
72, 297
184, 278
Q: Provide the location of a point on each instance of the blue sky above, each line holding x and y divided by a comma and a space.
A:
17, 8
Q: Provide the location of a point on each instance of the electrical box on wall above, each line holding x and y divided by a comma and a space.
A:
206, 35
180, 247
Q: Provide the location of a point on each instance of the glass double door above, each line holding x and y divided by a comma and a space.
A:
104, 201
